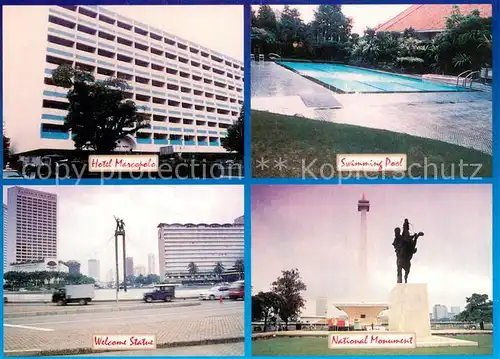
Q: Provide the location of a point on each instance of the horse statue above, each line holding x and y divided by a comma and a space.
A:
405, 245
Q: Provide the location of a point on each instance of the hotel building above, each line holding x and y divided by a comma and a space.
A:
204, 244
189, 94
94, 269
31, 225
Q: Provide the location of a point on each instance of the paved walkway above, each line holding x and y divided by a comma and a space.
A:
207, 322
464, 119
232, 349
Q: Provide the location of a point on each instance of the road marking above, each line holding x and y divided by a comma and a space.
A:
23, 351
27, 327
100, 318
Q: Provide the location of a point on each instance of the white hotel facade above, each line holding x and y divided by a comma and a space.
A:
31, 226
190, 94
204, 244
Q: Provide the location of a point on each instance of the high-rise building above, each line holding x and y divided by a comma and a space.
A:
31, 225
190, 93
321, 306
454, 311
204, 244
139, 270
94, 269
152, 269
130, 266
5, 240
440, 311
110, 276
73, 267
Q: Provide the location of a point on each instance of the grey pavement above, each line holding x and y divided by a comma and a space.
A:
210, 321
231, 349
461, 118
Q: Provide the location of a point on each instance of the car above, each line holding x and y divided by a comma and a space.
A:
237, 290
215, 293
163, 292
12, 174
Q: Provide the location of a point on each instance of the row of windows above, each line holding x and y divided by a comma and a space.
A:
124, 55
145, 78
172, 118
146, 35
165, 96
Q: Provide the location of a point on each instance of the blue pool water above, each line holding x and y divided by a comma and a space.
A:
354, 79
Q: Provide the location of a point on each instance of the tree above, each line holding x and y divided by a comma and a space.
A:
239, 266
479, 309
219, 269
266, 19
330, 24
192, 268
266, 306
234, 141
98, 114
289, 287
6, 149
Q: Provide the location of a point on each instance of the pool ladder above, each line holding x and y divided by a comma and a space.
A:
466, 76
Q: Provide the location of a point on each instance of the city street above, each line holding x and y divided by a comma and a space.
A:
16, 310
72, 333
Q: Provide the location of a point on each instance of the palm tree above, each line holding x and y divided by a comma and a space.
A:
219, 269
192, 268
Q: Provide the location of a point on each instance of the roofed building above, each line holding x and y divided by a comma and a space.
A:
429, 20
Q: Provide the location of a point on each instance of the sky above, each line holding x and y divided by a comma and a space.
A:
316, 229
86, 224
219, 28
363, 15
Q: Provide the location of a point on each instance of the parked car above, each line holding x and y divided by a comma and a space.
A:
237, 290
215, 293
79, 293
9, 173
163, 292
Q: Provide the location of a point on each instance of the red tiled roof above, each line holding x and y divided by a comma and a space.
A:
430, 17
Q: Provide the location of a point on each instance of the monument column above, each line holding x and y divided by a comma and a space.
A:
363, 208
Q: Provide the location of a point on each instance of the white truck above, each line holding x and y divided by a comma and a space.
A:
78, 293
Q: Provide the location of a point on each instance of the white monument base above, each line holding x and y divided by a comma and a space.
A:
409, 310
409, 313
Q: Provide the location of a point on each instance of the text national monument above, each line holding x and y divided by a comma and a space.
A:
408, 305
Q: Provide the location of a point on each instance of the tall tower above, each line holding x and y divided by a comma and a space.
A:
363, 208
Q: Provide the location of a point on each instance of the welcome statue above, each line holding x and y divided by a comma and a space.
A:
405, 245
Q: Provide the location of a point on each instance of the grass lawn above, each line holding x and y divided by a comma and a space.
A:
302, 142
319, 346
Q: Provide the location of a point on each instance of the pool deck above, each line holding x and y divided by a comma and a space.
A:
461, 118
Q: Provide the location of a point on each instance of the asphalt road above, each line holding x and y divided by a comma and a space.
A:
50, 307
129, 317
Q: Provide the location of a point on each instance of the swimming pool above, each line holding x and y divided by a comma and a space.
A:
349, 79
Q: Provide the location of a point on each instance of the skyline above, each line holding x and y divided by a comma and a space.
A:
93, 235
323, 243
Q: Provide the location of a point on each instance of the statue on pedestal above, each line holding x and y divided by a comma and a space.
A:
120, 225
405, 245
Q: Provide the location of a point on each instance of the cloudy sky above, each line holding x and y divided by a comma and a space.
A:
219, 28
86, 224
317, 230
363, 15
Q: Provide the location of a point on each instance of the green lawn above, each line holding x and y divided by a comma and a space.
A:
319, 346
302, 141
